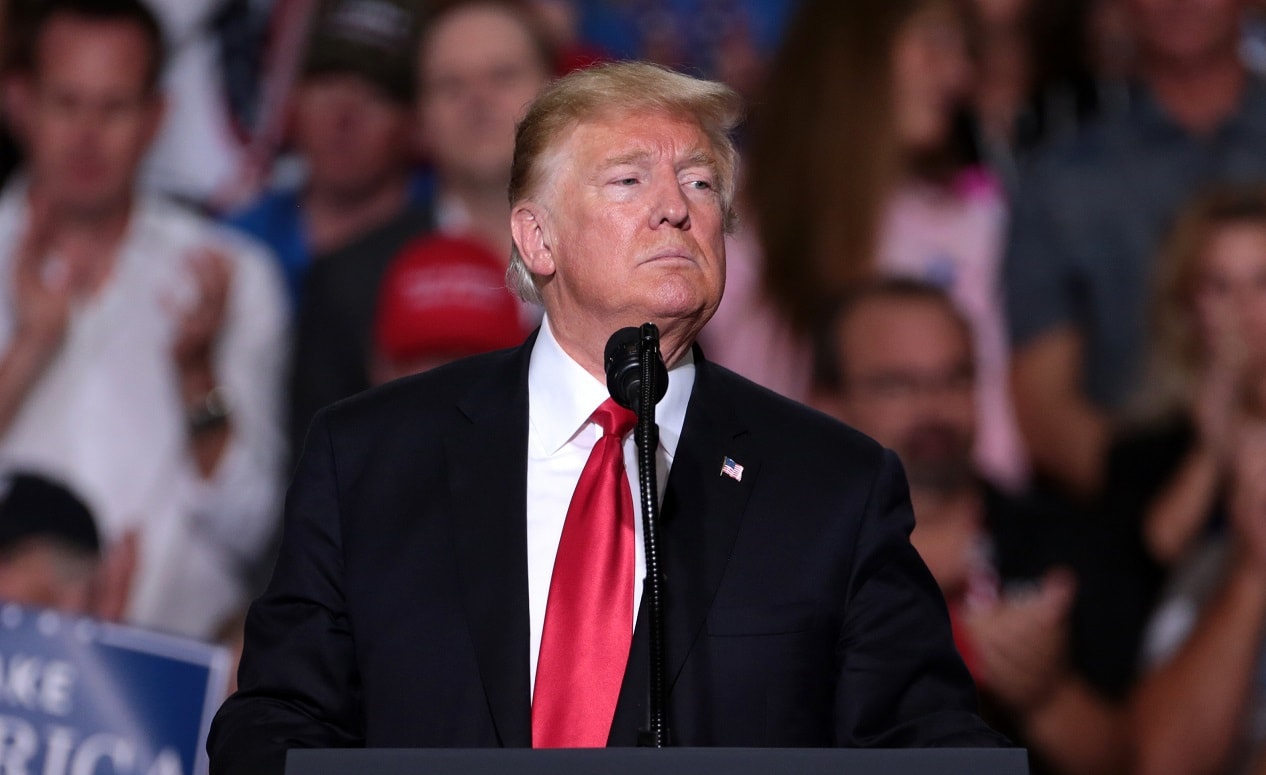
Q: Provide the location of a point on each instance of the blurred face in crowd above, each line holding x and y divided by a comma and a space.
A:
997, 13
479, 69
931, 76
89, 112
43, 573
352, 134
629, 227
1230, 291
1187, 31
908, 383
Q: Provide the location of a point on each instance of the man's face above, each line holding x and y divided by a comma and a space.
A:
40, 573
351, 133
478, 71
89, 114
1184, 31
908, 384
631, 226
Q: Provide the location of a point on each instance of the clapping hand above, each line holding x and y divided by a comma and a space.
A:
1021, 641
44, 286
200, 319
1218, 400
114, 577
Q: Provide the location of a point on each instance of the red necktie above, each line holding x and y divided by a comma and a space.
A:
589, 614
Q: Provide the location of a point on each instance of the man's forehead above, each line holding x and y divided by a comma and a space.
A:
102, 57
891, 328
629, 137
494, 29
640, 154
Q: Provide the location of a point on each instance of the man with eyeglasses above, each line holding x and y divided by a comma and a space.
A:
895, 361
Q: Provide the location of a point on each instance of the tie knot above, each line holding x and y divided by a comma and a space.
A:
614, 419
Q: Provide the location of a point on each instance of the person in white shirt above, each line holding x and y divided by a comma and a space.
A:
142, 346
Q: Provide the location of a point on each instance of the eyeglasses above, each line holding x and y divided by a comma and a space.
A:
904, 385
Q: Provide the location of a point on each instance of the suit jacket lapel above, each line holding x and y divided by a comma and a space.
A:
700, 519
488, 490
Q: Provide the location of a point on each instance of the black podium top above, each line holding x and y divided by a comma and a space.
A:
666, 761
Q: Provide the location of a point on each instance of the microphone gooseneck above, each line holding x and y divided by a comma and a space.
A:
637, 379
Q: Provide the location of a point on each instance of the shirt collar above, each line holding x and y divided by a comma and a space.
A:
562, 395
15, 209
451, 216
1152, 117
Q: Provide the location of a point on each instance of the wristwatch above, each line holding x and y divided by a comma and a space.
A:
211, 413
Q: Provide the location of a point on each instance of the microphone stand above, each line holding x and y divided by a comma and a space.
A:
637, 379
647, 437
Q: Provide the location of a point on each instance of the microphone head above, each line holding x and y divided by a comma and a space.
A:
624, 365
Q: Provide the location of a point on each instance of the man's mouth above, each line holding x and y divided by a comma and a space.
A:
670, 254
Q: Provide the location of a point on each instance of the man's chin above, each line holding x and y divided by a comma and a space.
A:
88, 205
940, 477
678, 313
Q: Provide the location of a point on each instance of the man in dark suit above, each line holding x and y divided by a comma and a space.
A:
430, 589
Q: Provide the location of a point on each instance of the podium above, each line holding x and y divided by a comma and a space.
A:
663, 761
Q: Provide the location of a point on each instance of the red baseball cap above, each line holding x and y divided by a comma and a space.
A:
445, 296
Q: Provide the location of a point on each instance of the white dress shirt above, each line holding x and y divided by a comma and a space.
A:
561, 398
107, 418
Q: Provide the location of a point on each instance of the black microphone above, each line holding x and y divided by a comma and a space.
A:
624, 368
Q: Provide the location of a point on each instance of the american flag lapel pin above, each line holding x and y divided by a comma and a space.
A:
731, 469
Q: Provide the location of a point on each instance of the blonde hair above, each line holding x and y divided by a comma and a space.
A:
614, 89
1176, 353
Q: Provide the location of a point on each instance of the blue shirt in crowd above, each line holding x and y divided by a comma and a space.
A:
276, 219
1088, 219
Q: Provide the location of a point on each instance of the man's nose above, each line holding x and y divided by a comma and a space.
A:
671, 206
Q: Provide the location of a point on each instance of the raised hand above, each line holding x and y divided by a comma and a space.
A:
201, 318
1218, 399
1021, 641
44, 286
114, 577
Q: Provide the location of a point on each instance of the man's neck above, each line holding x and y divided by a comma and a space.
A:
88, 238
1199, 95
486, 208
335, 218
946, 530
586, 342
937, 509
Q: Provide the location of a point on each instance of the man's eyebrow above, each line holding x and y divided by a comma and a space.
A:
634, 157
697, 158
701, 158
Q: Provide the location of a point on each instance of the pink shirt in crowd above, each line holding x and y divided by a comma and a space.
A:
949, 237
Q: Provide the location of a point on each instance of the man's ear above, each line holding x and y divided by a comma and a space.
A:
530, 228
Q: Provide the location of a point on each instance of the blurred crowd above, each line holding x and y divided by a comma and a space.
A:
1020, 242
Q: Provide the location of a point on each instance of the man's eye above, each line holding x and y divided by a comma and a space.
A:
626, 182
700, 185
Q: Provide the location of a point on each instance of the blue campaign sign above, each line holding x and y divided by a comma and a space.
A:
83, 697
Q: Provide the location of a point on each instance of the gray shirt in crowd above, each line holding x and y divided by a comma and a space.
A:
1090, 214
